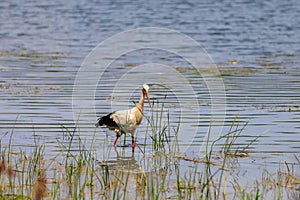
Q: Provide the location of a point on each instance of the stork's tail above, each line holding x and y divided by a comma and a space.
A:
99, 122
105, 120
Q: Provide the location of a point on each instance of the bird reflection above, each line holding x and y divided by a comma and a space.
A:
123, 161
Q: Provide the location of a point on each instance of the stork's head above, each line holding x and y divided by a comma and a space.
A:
145, 92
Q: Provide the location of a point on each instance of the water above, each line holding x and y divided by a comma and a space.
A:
254, 44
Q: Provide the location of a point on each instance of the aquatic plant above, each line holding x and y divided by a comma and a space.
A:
74, 172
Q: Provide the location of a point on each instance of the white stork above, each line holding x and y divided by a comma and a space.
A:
126, 121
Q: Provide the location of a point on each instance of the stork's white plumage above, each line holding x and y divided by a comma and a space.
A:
126, 121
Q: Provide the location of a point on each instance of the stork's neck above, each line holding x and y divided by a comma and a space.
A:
140, 105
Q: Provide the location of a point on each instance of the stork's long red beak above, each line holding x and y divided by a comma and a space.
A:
148, 98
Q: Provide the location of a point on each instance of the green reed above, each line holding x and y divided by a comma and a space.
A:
74, 173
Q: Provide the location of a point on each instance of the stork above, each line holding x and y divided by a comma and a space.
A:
126, 121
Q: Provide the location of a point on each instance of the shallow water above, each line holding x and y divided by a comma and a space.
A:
254, 45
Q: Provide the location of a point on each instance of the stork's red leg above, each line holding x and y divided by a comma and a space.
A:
116, 141
132, 144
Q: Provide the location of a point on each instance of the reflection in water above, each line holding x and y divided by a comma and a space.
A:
122, 162
126, 172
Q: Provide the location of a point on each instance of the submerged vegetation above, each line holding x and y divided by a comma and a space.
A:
75, 173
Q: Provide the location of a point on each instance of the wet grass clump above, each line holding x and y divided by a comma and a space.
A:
75, 173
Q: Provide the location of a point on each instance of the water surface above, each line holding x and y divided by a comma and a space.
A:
254, 44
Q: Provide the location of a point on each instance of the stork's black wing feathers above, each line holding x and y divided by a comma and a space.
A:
107, 120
